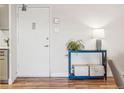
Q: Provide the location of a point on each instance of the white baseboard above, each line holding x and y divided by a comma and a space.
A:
52, 75
32, 76
59, 75
11, 81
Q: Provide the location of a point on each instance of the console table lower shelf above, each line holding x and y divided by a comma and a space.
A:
87, 71
85, 77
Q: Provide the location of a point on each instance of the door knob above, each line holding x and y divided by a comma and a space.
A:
46, 46
47, 38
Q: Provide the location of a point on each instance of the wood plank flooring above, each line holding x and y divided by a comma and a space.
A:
59, 83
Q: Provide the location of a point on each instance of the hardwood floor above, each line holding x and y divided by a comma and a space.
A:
59, 83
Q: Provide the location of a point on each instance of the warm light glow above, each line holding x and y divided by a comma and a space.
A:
98, 33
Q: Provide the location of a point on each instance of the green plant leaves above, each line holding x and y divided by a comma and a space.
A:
75, 45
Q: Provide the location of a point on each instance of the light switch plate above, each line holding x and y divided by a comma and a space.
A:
57, 20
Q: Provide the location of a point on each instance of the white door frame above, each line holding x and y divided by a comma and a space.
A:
50, 30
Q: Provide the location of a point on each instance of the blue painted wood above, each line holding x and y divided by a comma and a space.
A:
87, 51
84, 77
104, 59
69, 66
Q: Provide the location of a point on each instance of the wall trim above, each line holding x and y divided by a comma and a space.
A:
59, 75
11, 81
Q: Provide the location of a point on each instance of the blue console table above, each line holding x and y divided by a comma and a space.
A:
104, 63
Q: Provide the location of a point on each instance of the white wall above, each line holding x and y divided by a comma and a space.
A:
77, 22
13, 43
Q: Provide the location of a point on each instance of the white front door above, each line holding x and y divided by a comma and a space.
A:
33, 42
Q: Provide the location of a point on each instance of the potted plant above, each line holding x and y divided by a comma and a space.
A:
75, 45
